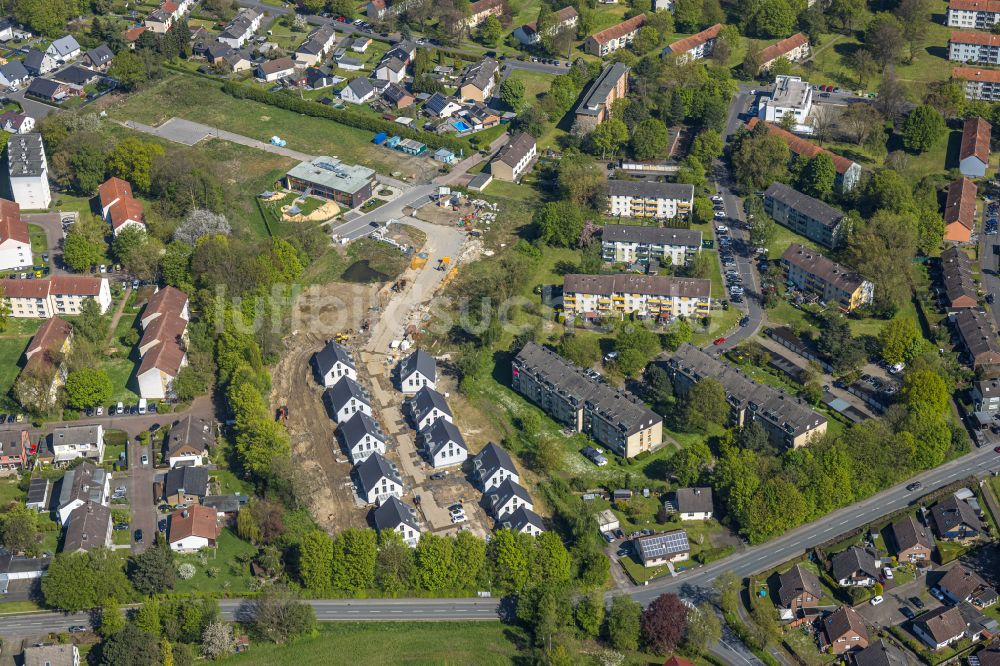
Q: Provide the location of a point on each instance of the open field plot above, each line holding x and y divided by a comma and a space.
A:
376, 644
200, 100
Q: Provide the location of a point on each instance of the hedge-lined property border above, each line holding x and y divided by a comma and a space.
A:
345, 117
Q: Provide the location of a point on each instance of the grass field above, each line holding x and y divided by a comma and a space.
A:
930, 61
197, 99
218, 571
396, 643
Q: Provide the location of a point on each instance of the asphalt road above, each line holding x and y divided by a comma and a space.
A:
361, 225
140, 495
693, 584
736, 221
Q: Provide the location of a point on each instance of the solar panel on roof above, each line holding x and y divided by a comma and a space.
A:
661, 545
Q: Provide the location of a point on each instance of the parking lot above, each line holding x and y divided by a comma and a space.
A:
898, 601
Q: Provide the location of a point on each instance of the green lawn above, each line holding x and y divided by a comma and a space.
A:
396, 643
12, 346
930, 62
218, 570
9, 492
200, 100
39, 243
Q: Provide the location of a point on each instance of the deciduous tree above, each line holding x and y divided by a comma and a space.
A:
88, 387
624, 617
664, 622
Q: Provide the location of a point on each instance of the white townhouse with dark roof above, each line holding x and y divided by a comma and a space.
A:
397, 516
378, 479
362, 436
333, 362
346, 398
492, 466
443, 444
426, 407
416, 371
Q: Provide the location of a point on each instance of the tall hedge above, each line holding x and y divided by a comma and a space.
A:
344, 116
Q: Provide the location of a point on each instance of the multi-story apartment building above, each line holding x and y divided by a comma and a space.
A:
960, 211
28, 171
583, 401
564, 19
973, 14
15, 242
979, 83
696, 46
58, 295
958, 284
977, 47
629, 244
616, 37
643, 198
848, 171
804, 215
792, 49
595, 108
643, 295
788, 421
514, 158
811, 271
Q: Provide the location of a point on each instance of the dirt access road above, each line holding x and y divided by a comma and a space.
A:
324, 471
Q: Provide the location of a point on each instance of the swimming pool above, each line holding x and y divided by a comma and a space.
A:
460, 126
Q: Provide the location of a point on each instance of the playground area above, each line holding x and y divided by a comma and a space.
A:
294, 207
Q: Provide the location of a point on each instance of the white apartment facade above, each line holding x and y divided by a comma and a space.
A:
974, 47
662, 201
791, 97
972, 14
28, 171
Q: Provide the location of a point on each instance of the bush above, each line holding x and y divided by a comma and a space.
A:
344, 116
186, 571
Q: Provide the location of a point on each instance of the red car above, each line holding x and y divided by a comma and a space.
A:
997, 449
719, 341
341, 19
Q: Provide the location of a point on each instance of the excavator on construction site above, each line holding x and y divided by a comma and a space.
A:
444, 263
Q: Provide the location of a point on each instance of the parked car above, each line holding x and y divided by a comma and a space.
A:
162, 525
718, 341
876, 600
100, 411
77, 628
458, 518
887, 572
145, 459
619, 534
608, 536
138, 536
907, 612
916, 485
622, 552
916, 602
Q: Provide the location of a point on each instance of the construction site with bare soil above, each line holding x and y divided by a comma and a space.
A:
379, 323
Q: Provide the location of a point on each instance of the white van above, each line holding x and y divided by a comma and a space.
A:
120, 409
142, 405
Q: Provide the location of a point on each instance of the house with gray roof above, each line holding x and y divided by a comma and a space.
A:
941, 626
798, 589
358, 91
395, 515
855, 567
327, 177
479, 80
64, 49
881, 653
84, 483
507, 498
13, 73
955, 520
89, 527
225, 505
961, 584
334, 361
416, 371
51, 654
426, 407
443, 445
316, 45
77, 441
391, 69
189, 440
378, 479
38, 63
347, 398
439, 106
185, 485
912, 540
99, 58
362, 436
492, 466
241, 28
522, 520
694, 503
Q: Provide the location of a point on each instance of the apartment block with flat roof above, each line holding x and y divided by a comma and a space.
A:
788, 421
582, 400
595, 107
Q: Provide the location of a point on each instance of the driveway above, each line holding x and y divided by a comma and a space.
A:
52, 224
33, 108
140, 494
189, 133
887, 614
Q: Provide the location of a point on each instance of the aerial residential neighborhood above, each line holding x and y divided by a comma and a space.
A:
499, 332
